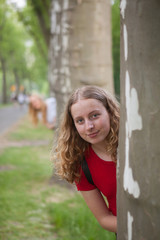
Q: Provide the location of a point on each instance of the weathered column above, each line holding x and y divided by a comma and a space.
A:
80, 51
139, 161
59, 70
91, 44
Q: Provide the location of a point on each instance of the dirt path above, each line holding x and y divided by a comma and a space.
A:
7, 143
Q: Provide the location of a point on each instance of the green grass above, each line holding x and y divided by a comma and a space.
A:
2, 105
27, 131
24, 187
31, 208
74, 221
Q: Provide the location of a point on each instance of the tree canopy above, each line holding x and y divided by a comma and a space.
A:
23, 55
24, 42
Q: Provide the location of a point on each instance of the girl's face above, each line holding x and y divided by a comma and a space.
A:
91, 120
36, 102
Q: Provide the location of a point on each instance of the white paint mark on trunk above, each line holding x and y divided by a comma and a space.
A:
129, 183
125, 37
130, 221
65, 4
65, 40
123, 7
54, 9
65, 70
57, 6
134, 122
58, 29
53, 23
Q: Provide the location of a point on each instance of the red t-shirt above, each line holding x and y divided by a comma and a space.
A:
104, 177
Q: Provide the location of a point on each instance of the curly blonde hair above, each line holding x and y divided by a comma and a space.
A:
33, 112
70, 147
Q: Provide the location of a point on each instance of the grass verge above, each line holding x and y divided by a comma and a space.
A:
31, 207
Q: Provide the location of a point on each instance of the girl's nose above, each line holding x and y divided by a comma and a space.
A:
89, 125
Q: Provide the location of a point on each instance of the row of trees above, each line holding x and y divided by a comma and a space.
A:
27, 35
21, 61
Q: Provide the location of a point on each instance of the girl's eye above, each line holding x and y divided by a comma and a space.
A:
79, 121
94, 115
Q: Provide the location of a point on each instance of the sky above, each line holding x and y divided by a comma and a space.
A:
18, 3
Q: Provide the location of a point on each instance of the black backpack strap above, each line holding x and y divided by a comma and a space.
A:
86, 171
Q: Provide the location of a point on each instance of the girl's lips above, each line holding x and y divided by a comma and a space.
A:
92, 135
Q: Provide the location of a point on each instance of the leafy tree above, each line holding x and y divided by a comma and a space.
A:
12, 49
116, 44
2, 55
36, 19
22, 60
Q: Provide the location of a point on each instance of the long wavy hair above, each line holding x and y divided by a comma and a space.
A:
33, 112
70, 147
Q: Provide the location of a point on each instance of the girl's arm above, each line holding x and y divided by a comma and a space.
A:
97, 205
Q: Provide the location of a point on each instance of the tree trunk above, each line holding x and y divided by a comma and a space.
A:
139, 165
59, 72
16, 81
90, 45
80, 47
4, 84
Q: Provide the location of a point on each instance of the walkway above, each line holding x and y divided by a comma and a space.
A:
11, 115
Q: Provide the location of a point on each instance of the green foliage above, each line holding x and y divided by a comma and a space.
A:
36, 21
39, 21
30, 22
23, 49
12, 46
73, 220
27, 131
24, 39
116, 44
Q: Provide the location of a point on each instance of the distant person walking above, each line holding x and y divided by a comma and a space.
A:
21, 98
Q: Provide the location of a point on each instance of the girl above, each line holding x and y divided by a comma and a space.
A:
47, 108
89, 129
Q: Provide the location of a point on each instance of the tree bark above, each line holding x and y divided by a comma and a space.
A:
80, 50
139, 165
91, 46
41, 9
17, 81
59, 71
4, 83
